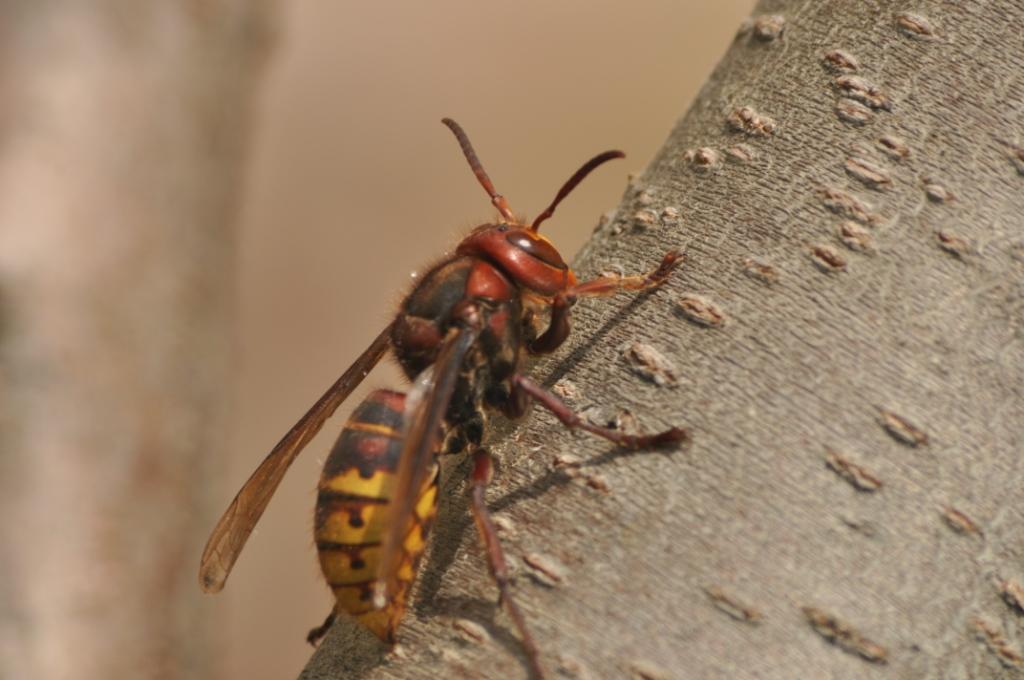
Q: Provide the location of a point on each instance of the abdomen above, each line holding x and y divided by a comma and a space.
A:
352, 505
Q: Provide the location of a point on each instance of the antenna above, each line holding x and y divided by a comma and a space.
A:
573, 181
497, 199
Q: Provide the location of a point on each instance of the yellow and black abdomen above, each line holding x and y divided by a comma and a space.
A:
352, 510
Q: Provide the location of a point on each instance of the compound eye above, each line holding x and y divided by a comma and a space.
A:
542, 250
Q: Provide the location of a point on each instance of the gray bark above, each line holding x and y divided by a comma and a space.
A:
123, 127
851, 503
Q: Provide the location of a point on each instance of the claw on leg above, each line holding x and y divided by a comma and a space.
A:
573, 421
607, 285
317, 634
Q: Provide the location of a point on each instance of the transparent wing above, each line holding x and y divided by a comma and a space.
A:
229, 536
425, 408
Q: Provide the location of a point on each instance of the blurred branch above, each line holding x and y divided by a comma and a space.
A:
847, 338
123, 127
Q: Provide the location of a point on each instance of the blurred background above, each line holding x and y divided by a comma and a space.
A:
349, 183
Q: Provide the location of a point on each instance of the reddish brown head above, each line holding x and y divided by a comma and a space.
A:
526, 256
519, 250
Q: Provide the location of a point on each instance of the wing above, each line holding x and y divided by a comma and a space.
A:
429, 398
229, 536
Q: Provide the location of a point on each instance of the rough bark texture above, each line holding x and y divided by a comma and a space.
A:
122, 132
852, 502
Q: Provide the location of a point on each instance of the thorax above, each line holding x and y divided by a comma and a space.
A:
426, 316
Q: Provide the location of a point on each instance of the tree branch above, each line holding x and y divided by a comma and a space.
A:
847, 338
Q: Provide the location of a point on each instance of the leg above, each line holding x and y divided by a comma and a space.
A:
607, 285
558, 328
478, 481
571, 420
317, 633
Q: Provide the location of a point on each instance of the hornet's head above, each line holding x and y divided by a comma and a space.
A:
529, 258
